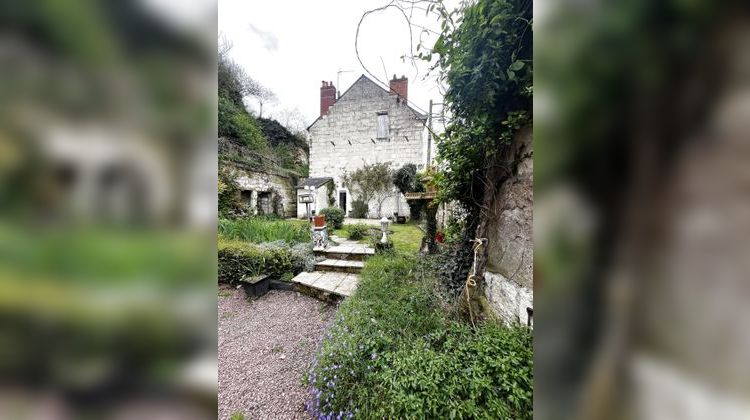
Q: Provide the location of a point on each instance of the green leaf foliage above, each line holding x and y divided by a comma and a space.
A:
278, 135
360, 209
357, 231
239, 259
407, 180
334, 216
262, 229
487, 64
369, 180
393, 352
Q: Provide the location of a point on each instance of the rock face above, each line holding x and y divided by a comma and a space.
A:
508, 298
346, 138
511, 247
267, 192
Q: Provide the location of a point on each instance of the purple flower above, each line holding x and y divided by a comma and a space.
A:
373, 356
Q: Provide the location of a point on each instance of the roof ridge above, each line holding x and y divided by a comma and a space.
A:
387, 90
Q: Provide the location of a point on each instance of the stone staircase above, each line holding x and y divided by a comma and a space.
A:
338, 274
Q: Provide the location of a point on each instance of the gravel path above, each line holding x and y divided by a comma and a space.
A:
265, 346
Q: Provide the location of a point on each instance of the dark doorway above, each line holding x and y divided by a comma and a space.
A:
342, 201
264, 203
247, 197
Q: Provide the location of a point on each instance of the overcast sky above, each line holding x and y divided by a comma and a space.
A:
291, 46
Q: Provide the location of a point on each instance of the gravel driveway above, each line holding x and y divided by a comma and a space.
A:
265, 346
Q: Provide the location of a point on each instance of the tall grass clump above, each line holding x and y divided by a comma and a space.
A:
260, 229
393, 352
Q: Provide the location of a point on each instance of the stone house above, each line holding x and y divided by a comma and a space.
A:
366, 124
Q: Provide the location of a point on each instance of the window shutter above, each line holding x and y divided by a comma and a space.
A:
383, 126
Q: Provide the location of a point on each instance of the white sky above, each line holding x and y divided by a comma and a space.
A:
291, 46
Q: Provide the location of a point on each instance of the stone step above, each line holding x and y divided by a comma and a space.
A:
346, 252
340, 266
340, 284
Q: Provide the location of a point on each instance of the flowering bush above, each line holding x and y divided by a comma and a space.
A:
392, 352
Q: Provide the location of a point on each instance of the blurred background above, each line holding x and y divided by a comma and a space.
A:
642, 209
107, 209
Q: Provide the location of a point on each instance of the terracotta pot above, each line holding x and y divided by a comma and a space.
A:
319, 221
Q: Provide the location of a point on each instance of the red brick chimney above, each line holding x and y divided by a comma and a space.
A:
400, 87
327, 97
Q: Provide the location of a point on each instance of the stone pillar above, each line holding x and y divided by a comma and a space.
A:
253, 202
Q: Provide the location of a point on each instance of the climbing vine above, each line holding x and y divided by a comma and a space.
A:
486, 62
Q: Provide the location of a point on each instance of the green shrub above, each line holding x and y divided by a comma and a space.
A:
237, 259
383, 248
288, 276
454, 230
392, 352
360, 209
357, 231
334, 216
264, 229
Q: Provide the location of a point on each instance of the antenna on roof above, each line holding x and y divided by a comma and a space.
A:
338, 74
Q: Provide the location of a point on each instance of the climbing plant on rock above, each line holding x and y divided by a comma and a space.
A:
486, 61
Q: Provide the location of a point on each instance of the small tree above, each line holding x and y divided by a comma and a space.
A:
406, 180
372, 181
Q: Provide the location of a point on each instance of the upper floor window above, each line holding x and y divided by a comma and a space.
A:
384, 126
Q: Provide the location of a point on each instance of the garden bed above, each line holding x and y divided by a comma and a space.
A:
395, 352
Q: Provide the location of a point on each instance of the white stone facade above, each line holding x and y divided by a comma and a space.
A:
321, 201
346, 138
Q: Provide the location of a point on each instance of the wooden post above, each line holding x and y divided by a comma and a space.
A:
429, 135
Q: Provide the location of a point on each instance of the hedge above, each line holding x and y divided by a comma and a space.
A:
238, 259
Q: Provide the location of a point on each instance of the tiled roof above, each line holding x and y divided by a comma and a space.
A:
313, 182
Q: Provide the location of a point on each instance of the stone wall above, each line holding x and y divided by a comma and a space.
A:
346, 138
276, 191
510, 278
